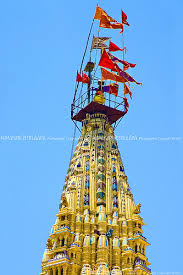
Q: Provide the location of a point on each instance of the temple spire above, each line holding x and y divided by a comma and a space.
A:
98, 229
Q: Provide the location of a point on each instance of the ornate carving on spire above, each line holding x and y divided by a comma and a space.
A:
137, 209
98, 228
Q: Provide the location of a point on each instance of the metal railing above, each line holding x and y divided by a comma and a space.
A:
115, 102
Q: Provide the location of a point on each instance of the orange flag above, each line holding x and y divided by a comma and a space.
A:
117, 26
105, 23
106, 75
127, 90
99, 12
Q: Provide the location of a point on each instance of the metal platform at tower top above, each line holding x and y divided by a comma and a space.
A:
113, 107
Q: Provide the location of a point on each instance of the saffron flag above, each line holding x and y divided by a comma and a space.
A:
106, 75
99, 42
125, 63
128, 77
99, 12
127, 90
113, 47
124, 18
106, 62
79, 77
85, 79
111, 89
105, 23
115, 59
117, 26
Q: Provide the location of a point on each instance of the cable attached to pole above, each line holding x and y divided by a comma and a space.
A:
83, 58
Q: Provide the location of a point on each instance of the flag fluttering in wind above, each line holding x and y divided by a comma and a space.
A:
106, 75
84, 78
99, 12
113, 47
79, 77
114, 67
128, 77
105, 23
106, 62
127, 91
125, 63
126, 104
117, 26
111, 88
115, 59
124, 18
99, 42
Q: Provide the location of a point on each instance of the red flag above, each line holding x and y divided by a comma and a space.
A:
124, 18
117, 26
114, 89
117, 60
106, 75
128, 77
127, 90
111, 88
126, 103
99, 12
113, 47
106, 62
117, 69
78, 78
85, 79
128, 65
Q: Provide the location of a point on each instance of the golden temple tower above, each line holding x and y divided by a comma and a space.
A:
98, 229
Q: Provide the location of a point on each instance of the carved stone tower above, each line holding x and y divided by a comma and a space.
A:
98, 229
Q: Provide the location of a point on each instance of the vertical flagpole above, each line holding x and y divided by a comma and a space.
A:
89, 75
83, 57
123, 49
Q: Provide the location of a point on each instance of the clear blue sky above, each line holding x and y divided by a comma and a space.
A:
41, 47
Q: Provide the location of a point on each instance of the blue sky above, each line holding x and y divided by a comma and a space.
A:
42, 43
